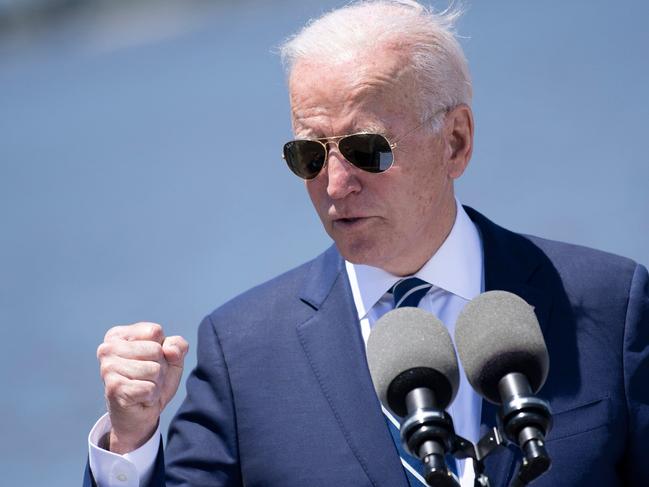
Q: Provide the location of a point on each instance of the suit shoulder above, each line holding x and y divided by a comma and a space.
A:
587, 271
278, 298
581, 258
584, 267
277, 289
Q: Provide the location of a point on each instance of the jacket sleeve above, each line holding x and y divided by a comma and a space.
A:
88, 479
202, 445
636, 377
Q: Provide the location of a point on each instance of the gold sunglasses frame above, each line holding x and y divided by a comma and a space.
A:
335, 139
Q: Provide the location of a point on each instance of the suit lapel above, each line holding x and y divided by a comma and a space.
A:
510, 262
332, 342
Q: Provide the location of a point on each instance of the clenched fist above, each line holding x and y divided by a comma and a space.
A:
141, 370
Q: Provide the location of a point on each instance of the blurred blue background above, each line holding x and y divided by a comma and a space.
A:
141, 178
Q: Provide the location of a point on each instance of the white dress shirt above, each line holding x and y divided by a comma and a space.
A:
113, 470
456, 273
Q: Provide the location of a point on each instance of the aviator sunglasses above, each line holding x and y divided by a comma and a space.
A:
369, 152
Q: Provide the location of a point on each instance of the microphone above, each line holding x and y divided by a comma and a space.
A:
415, 373
505, 358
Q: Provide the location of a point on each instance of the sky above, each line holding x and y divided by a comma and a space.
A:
141, 175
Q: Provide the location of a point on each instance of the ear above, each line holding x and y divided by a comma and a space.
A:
458, 135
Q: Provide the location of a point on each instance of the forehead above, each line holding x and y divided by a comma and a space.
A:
349, 92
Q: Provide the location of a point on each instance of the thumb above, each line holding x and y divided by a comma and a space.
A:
174, 349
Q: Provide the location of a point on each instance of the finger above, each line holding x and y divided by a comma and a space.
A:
137, 331
134, 369
175, 348
138, 350
127, 393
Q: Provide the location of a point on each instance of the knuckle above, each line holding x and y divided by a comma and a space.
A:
181, 343
123, 401
148, 392
112, 386
101, 351
144, 350
105, 369
155, 370
150, 388
154, 331
104, 350
156, 353
112, 333
154, 397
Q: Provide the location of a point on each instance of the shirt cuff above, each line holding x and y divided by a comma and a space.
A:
110, 469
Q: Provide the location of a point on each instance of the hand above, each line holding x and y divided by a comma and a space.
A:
141, 370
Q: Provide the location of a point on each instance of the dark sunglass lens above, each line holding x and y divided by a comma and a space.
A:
305, 157
369, 152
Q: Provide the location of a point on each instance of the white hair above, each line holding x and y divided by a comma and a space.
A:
426, 38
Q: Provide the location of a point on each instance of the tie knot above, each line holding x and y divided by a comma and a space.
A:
409, 291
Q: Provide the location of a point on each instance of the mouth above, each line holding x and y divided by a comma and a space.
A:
350, 222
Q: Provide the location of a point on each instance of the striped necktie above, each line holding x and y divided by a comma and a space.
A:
408, 292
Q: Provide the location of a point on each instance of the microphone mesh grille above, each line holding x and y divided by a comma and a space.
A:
408, 338
498, 333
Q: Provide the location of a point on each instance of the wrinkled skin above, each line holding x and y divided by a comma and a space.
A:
394, 220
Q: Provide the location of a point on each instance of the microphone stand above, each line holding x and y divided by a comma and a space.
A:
533, 464
525, 420
427, 433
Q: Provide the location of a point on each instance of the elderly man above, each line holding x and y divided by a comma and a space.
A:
281, 395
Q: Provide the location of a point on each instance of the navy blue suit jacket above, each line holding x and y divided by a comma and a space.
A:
282, 397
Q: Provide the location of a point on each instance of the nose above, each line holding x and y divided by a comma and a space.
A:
342, 179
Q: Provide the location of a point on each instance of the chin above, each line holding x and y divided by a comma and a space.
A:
357, 253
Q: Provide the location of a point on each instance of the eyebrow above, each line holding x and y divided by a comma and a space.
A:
370, 128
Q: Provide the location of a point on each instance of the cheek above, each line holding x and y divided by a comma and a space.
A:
419, 194
317, 191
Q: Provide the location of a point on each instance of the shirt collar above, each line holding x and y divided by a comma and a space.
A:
456, 267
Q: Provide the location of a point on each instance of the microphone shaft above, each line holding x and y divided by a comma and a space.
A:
514, 384
430, 441
420, 398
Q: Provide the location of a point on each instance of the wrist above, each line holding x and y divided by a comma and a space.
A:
122, 443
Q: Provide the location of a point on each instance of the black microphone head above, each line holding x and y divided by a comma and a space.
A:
410, 348
497, 333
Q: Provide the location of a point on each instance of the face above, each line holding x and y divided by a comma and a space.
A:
394, 220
